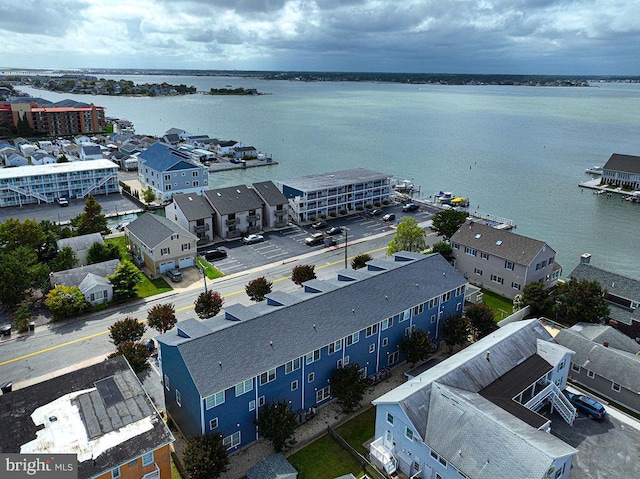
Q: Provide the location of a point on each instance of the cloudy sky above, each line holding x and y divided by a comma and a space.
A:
579, 37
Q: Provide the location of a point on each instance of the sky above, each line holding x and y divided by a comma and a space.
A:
555, 37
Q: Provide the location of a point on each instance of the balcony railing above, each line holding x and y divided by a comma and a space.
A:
233, 221
201, 228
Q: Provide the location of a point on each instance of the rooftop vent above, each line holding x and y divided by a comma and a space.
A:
238, 191
478, 236
217, 193
499, 242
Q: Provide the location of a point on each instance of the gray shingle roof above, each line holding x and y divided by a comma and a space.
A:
615, 284
514, 247
270, 193
610, 363
113, 397
626, 163
153, 229
193, 206
272, 467
73, 277
234, 199
79, 243
599, 333
92, 150
334, 179
287, 332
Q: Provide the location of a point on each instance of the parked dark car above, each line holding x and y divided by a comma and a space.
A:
320, 225
389, 217
587, 405
410, 207
215, 253
334, 230
174, 275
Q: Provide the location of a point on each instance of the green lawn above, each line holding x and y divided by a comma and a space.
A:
210, 271
501, 306
148, 287
324, 458
359, 429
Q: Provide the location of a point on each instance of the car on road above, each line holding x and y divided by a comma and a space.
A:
410, 207
215, 253
320, 225
62, 201
121, 226
586, 405
174, 275
252, 239
389, 217
334, 230
314, 239
376, 212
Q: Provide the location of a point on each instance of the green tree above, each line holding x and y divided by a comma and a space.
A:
258, 289
205, 457
446, 222
125, 281
99, 252
20, 271
444, 248
481, 320
539, 299
277, 422
15, 233
90, 220
23, 127
409, 237
62, 159
136, 354
581, 301
52, 232
148, 195
65, 259
302, 273
348, 386
360, 261
162, 317
416, 347
127, 330
208, 304
455, 331
65, 301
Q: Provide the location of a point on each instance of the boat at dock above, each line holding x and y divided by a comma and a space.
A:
404, 186
448, 198
594, 170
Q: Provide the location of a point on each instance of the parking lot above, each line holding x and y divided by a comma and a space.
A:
608, 449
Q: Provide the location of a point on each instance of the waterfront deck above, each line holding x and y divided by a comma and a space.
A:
599, 189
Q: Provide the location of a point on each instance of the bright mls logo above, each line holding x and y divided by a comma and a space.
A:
36, 466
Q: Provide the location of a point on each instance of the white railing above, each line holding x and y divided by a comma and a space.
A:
153, 474
98, 184
383, 457
32, 193
558, 400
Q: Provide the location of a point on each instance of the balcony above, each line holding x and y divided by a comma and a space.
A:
382, 457
231, 222
201, 228
253, 218
254, 229
153, 474
234, 234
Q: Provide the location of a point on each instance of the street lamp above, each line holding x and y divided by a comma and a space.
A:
346, 244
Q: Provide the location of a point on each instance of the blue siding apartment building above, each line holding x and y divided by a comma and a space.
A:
219, 372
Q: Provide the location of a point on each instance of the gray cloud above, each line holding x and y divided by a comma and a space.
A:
40, 17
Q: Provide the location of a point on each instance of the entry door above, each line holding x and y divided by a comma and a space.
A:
388, 440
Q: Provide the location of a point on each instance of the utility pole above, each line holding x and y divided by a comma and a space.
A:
346, 244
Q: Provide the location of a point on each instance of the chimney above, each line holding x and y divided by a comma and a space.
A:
605, 344
585, 258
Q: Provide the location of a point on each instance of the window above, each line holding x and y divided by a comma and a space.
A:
561, 365
407, 314
244, 387
385, 342
214, 400
312, 356
166, 382
455, 245
418, 309
615, 387
261, 401
433, 302
353, 339
552, 259
477, 271
459, 307
515, 286
311, 377
393, 358
333, 347
400, 317
372, 348
390, 418
194, 174
294, 385
252, 405
591, 374
371, 330
232, 441
575, 367
497, 279
178, 398
408, 433
292, 366
213, 423
147, 458
186, 246
434, 455
470, 251
386, 323
267, 377
459, 290
164, 251
442, 461
167, 177
446, 296
508, 265
484, 256
115, 473
324, 393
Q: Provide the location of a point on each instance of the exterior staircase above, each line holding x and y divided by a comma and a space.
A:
558, 401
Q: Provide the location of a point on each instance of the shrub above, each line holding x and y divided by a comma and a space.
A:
333, 214
343, 212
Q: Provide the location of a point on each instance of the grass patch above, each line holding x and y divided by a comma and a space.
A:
174, 471
121, 241
501, 306
324, 458
210, 271
359, 429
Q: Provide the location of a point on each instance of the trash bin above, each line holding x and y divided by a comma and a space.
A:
32, 326
5, 330
6, 387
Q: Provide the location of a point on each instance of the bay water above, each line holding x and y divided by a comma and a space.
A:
516, 152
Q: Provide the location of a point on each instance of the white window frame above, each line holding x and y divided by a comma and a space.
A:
178, 398
292, 365
232, 440
409, 434
508, 265
147, 459
244, 387
385, 342
268, 376
213, 424
312, 356
323, 394
214, 400
115, 472
166, 383
252, 405
590, 374
262, 401
615, 386
390, 418
372, 348
353, 339
335, 346
371, 330
294, 385
575, 367
311, 377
